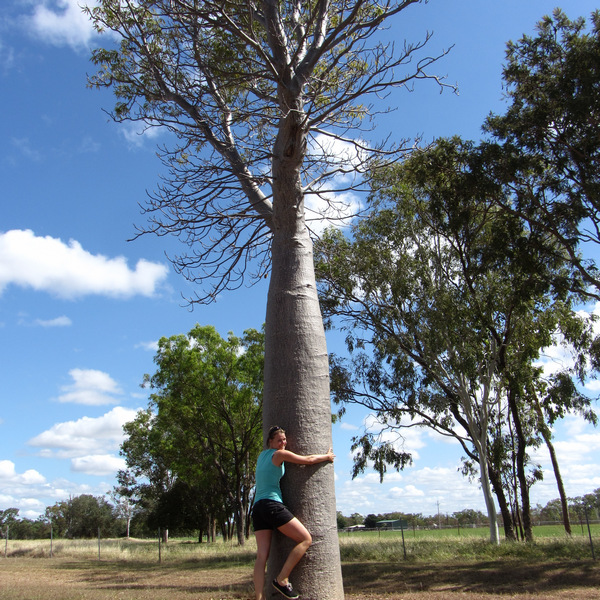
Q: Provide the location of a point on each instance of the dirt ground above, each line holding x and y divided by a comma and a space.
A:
68, 579
489, 581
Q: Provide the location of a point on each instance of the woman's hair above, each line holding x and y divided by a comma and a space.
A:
275, 429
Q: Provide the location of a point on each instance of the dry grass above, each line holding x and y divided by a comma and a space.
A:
130, 571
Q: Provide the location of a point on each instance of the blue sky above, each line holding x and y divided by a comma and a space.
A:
81, 308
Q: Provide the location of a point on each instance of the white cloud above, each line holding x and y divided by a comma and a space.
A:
98, 464
62, 321
68, 271
331, 210
90, 387
579, 450
408, 438
27, 149
7, 57
555, 358
85, 437
31, 492
8, 474
335, 201
574, 425
409, 491
149, 346
419, 492
62, 23
89, 145
348, 427
593, 385
136, 133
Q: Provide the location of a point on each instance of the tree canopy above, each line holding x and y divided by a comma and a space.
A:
229, 81
447, 305
200, 436
549, 151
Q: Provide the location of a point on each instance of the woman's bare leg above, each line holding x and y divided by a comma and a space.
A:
297, 532
263, 545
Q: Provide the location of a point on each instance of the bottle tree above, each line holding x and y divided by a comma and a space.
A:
256, 99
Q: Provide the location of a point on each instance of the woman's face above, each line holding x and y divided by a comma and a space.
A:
278, 441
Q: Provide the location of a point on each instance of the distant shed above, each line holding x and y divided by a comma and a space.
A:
392, 524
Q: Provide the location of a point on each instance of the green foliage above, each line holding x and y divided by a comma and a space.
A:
192, 452
444, 287
468, 266
82, 517
547, 136
469, 516
8, 516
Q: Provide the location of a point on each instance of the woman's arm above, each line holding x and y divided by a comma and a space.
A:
281, 456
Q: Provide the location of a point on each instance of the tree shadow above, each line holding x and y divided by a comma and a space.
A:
490, 577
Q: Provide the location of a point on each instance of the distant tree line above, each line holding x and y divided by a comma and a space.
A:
85, 516
550, 513
78, 517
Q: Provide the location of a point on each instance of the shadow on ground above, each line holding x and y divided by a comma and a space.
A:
507, 578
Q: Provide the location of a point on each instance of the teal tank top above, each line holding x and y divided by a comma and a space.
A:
267, 477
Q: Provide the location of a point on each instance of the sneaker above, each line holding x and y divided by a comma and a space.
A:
286, 590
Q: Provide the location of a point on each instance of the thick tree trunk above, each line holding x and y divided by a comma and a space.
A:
296, 397
296, 387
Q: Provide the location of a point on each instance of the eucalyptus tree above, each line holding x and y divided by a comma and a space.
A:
452, 296
123, 501
258, 98
148, 475
411, 286
82, 516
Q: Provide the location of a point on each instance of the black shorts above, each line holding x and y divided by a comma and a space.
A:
270, 514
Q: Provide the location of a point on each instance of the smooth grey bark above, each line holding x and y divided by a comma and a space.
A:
476, 417
297, 399
478, 432
296, 389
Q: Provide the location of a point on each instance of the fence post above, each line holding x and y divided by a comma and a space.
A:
403, 544
51, 538
6, 543
98, 543
159, 547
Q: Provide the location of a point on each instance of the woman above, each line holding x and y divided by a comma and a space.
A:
270, 513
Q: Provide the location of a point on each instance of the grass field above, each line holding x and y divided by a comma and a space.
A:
437, 566
540, 532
